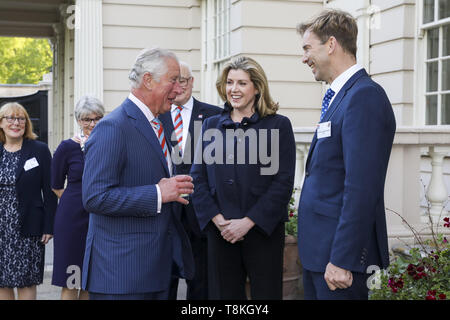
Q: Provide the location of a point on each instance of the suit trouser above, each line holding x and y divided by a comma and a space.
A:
197, 288
161, 295
316, 288
258, 257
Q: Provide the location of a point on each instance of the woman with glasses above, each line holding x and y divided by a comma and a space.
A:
27, 204
71, 220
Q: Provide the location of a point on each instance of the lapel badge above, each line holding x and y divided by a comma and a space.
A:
200, 116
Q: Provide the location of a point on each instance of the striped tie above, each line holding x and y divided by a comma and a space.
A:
156, 123
178, 125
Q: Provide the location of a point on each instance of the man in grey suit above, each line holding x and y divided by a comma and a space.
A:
135, 235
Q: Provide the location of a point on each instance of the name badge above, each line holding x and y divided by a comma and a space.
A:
30, 164
324, 130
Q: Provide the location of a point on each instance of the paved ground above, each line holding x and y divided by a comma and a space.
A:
46, 291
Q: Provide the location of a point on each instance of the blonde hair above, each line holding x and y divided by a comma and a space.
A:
334, 23
16, 109
263, 102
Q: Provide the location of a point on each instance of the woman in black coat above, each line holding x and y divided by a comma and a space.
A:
243, 185
27, 204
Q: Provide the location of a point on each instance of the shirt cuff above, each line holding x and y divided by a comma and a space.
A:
158, 191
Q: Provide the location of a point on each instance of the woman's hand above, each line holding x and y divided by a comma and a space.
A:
46, 238
220, 222
236, 229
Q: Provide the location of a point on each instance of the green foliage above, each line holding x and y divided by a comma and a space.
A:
24, 60
421, 275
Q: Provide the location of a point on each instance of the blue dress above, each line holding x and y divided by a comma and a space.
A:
71, 219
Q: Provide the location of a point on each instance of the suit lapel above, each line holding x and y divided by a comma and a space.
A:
334, 106
337, 101
166, 120
196, 112
142, 124
24, 156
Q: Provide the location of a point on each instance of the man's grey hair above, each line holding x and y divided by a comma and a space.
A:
87, 105
153, 61
186, 65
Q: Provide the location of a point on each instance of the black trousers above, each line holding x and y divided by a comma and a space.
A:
197, 288
258, 257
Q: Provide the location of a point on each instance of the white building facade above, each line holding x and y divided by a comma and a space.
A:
403, 44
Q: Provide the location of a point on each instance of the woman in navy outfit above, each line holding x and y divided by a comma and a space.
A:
243, 185
27, 204
71, 220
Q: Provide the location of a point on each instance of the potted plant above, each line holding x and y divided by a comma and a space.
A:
421, 273
291, 266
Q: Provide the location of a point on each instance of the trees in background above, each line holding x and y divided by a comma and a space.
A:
24, 60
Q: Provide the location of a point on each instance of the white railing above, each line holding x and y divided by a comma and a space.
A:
404, 190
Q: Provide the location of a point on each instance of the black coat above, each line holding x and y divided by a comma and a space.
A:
37, 202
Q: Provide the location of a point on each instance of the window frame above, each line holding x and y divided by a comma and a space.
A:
216, 44
424, 29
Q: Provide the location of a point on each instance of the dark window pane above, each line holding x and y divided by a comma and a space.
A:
446, 41
431, 110
445, 109
446, 75
433, 43
428, 11
444, 9
432, 76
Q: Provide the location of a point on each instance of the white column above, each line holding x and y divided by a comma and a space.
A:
88, 68
437, 191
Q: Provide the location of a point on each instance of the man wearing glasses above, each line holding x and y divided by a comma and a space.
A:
186, 114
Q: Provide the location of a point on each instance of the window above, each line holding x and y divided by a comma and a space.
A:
222, 29
436, 23
216, 44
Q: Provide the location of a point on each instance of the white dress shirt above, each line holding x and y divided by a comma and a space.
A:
342, 79
149, 115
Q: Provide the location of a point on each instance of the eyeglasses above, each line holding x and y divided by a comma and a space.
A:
87, 121
10, 119
184, 81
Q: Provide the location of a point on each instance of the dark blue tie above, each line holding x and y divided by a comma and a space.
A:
326, 102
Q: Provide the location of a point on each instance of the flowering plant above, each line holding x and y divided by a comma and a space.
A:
422, 274
291, 224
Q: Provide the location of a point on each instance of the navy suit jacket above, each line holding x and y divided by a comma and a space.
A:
240, 190
200, 112
341, 210
37, 202
130, 247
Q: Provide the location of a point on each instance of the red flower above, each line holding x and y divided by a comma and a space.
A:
431, 295
442, 296
394, 290
447, 224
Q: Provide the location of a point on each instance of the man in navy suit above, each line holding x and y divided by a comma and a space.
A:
342, 225
135, 235
182, 124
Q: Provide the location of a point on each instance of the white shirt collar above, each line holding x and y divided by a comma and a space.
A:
340, 81
142, 106
188, 105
